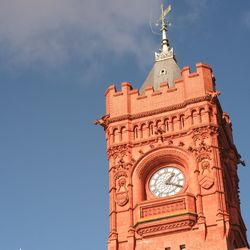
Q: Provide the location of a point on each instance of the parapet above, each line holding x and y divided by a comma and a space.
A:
189, 86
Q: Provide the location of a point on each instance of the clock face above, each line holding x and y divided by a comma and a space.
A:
166, 181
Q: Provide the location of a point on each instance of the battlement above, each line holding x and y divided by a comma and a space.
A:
190, 85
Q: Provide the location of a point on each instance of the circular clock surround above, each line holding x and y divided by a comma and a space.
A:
166, 181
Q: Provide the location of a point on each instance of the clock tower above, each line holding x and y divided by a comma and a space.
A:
173, 180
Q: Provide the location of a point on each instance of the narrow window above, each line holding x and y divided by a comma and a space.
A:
182, 120
151, 129
183, 247
115, 135
136, 132
166, 125
167, 248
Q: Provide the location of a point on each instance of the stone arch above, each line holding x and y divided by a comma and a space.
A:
182, 121
159, 157
202, 114
167, 124
144, 131
158, 123
123, 133
195, 117
175, 123
115, 134
151, 129
136, 132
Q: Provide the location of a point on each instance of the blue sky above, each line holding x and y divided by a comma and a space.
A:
57, 58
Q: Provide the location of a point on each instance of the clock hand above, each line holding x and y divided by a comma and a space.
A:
169, 178
174, 184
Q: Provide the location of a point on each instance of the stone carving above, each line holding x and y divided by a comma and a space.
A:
213, 95
203, 156
122, 192
121, 168
118, 151
163, 208
201, 150
159, 132
206, 182
170, 142
205, 167
206, 179
203, 153
141, 152
103, 121
174, 226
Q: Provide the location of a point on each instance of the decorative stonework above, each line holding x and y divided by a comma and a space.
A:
163, 55
202, 151
118, 151
167, 207
206, 182
203, 156
160, 154
159, 132
206, 179
165, 228
213, 95
122, 166
103, 121
122, 192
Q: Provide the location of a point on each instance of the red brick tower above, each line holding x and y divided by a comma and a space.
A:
172, 162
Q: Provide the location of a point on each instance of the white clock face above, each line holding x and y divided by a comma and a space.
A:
166, 181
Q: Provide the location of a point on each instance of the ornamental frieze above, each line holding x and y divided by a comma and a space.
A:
204, 132
168, 227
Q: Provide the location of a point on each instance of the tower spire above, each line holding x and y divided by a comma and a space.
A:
164, 26
165, 67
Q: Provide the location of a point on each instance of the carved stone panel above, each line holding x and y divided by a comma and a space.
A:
122, 197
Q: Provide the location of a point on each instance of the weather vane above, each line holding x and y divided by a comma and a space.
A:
164, 13
165, 50
164, 25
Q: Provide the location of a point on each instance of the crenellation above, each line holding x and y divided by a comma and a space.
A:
189, 86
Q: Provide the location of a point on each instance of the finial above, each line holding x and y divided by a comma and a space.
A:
164, 26
165, 51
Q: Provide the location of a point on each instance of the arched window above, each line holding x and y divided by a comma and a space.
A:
115, 135
123, 134
151, 129
202, 115
175, 123
136, 132
166, 122
143, 131
195, 117
182, 121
